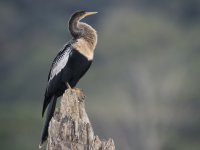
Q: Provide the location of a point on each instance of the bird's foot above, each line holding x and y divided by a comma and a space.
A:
78, 91
80, 94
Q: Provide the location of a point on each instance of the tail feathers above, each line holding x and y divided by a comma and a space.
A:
44, 108
46, 102
49, 115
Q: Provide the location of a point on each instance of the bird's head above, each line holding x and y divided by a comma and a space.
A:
75, 25
78, 15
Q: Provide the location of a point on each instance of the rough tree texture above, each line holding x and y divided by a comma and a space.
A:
70, 128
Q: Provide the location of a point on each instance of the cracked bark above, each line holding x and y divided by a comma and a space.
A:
70, 128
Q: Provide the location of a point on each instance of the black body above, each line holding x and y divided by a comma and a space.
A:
75, 67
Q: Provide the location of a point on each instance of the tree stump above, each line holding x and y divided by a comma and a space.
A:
70, 128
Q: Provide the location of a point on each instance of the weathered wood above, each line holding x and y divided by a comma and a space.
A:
70, 128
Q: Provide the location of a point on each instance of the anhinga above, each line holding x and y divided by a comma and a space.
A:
70, 64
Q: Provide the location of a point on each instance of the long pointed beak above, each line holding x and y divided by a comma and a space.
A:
89, 13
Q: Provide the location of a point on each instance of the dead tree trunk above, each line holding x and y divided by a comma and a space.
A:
70, 128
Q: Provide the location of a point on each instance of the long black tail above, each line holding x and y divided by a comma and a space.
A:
49, 115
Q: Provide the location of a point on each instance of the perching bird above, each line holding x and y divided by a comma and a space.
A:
70, 64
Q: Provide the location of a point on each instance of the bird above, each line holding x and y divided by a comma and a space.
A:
69, 65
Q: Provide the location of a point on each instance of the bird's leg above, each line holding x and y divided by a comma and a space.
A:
78, 91
68, 86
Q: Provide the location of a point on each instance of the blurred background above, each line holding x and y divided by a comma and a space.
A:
142, 89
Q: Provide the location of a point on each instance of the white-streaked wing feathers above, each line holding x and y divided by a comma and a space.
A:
60, 63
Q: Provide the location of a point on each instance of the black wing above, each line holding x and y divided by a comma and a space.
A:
55, 71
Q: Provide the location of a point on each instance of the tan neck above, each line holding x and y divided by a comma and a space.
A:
87, 42
89, 34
